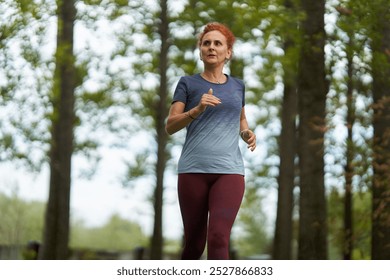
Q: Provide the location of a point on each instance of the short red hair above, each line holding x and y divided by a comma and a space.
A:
216, 26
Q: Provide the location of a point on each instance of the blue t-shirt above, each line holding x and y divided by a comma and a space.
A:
211, 144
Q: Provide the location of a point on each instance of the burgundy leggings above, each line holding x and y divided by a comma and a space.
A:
213, 199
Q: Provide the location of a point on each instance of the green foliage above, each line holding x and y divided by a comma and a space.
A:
25, 83
361, 224
21, 221
137, 169
27, 65
117, 234
251, 237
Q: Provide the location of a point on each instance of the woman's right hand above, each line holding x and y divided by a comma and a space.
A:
208, 99
178, 119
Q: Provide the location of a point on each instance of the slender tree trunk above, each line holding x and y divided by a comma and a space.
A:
348, 168
56, 233
162, 137
312, 91
282, 249
381, 145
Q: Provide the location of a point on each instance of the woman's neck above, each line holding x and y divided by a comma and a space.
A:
214, 76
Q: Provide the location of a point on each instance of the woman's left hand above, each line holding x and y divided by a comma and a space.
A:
250, 138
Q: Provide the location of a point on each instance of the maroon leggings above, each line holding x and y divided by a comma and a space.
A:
213, 199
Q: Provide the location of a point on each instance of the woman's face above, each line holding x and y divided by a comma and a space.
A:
214, 49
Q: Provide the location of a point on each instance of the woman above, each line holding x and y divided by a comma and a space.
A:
211, 170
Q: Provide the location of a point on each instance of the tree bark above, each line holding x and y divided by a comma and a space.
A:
56, 233
282, 249
312, 91
348, 168
162, 137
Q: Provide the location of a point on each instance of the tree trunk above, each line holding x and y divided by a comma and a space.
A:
381, 144
312, 91
348, 168
162, 137
282, 249
56, 233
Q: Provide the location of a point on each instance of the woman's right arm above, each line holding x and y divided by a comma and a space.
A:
178, 119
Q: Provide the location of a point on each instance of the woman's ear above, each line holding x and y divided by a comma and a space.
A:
229, 54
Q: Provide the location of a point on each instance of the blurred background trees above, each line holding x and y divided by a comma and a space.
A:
99, 74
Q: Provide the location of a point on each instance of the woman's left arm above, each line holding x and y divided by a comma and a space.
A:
246, 134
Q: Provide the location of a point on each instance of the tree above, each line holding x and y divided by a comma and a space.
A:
349, 102
380, 36
349, 169
161, 136
56, 233
312, 89
282, 248
346, 25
